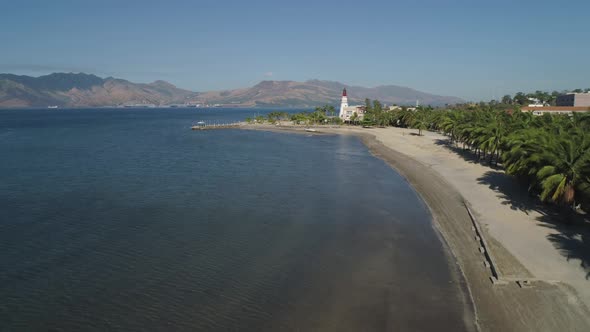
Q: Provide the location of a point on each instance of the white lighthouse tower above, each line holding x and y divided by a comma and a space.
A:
343, 104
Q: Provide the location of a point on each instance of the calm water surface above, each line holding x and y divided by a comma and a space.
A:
126, 220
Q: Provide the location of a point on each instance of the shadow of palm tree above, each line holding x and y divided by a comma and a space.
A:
572, 238
511, 192
466, 154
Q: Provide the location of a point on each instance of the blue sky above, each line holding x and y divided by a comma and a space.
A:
471, 49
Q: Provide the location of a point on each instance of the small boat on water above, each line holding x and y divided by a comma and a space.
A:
201, 122
53, 106
311, 130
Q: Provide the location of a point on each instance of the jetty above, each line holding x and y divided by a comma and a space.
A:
216, 125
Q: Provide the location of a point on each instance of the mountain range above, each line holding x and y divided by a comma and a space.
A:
86, 90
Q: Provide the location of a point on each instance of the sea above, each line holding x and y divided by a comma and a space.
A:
127, 220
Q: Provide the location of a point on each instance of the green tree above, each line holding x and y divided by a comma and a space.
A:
368, 106
521, 99
354, 118
566, 163
331, 110
300, 118
419, 121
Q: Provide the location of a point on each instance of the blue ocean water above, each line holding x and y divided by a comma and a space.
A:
125, 219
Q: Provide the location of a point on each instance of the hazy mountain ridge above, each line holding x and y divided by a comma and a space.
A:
83, 90
317, 92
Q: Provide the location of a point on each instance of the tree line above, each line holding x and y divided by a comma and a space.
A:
319, 116
522, 99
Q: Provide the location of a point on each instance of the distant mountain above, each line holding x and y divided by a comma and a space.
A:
83, 90
316, 92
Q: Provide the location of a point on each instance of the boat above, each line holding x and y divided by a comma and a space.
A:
53, 106
201, 122
311, 130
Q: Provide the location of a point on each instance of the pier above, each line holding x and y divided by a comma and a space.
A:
216, 125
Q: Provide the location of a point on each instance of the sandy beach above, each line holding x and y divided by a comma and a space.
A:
541, 263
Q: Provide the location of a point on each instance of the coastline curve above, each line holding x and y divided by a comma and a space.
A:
505, 307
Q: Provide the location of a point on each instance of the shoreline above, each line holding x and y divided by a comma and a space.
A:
540, 306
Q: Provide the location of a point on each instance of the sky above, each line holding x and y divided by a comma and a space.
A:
477, 50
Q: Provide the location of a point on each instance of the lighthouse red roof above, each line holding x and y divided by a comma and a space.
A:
344, 93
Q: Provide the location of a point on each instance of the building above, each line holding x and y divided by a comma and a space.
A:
574, 100
536, 103
556, 109
347, 112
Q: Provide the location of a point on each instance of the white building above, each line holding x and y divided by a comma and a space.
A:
535, 103
347, 112
569, 110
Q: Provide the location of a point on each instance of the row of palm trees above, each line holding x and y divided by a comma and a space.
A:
319, 116
550, 153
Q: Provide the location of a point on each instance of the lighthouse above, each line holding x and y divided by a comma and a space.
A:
348, 112
343, 104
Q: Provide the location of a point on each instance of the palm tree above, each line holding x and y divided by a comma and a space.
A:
383, 118
331, 110
492, 136
449, 124
406, 117
419, 120
566, 163
519, 149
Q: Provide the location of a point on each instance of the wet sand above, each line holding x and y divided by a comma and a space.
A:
546, 305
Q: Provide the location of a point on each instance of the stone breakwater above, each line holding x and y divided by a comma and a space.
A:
210, 126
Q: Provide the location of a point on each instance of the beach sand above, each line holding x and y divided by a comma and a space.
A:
524, 242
